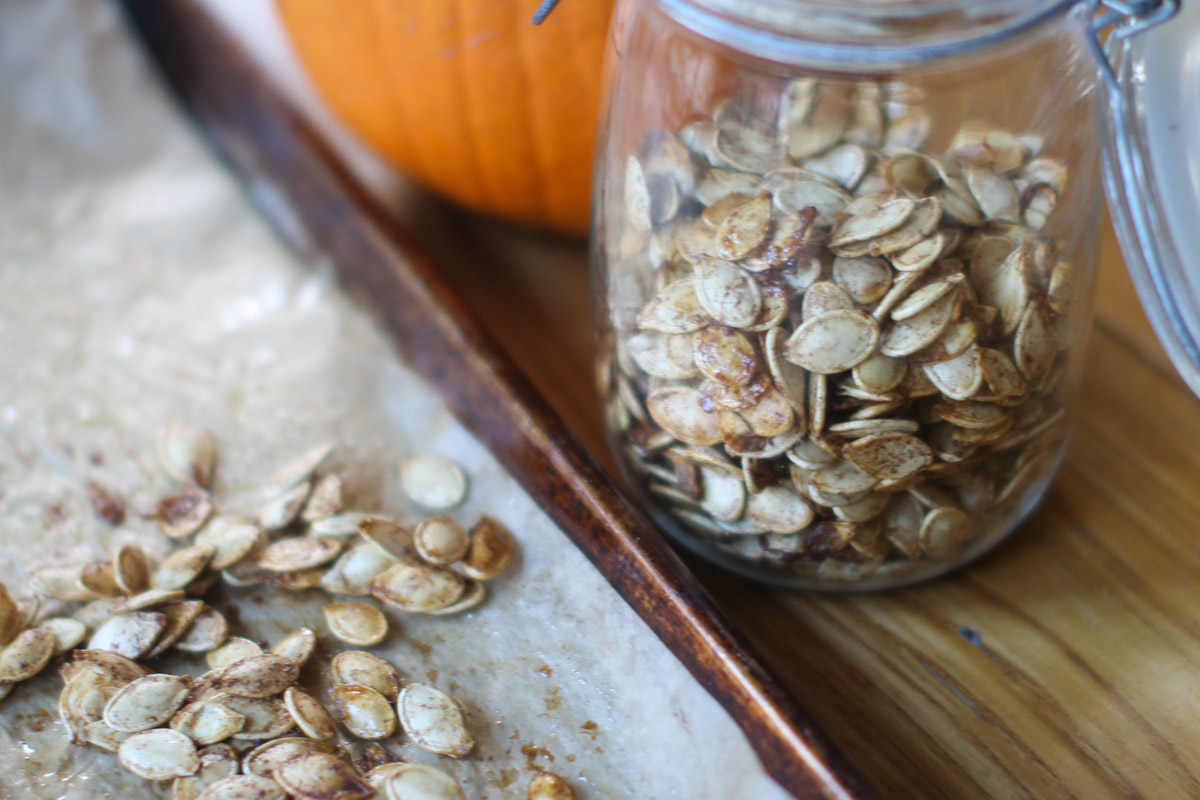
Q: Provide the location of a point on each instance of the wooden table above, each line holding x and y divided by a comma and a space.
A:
1065, 664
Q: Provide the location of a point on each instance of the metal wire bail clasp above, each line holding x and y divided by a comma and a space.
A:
1122, 20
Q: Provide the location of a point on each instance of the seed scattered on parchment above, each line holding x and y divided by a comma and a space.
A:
548, 786
905, 337
433, 481
189, 729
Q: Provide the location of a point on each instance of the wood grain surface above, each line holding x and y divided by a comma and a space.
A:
1066, 664
329, 218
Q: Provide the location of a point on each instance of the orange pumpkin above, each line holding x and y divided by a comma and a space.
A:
467, 96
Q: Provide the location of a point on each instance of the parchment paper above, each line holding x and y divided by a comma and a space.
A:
138, 287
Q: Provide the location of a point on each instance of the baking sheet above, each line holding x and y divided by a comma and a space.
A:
138, 287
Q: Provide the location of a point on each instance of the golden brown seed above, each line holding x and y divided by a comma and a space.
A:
548, 786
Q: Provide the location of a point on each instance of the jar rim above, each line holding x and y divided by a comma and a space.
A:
865, 33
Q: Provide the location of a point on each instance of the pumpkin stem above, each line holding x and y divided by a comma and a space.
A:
543, 11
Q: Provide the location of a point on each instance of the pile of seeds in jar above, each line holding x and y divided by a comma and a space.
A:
835, 351
247, 728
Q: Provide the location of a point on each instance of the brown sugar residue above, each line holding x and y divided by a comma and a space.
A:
431, 675
424, 649
507, 778
545, 670
590, 728
532, 754
570, 758
106, 503
553, 700
38, 721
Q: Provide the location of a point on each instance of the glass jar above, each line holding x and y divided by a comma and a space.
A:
844, 256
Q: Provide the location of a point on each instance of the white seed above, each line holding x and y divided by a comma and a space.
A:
243, 787
676, 309
997, 196
299, 469
280, 510
310, 716
1034, 344
833, 342
548, 786
297, 646
433, 720
440, 540
146, 703
921, 255
182, 567
473, 595
796, 195
744, 229
960, 378
663, 355
26, 655
920, 224
872, 216
880, 373
421, 782
68, 633
390, 538
679, 410
746, 148
724, 494
182, 514
325, 499
344, 524
354, 667
824, 296
926, 296
865, 279
257, 676
842, 477
110, 666
354, 569
417, 589
188, 453
266, 717
891, 455
905, 337
267, 757
159, 755
151, 598
102, 735
359, 624
433, 481
130, 635
216, 763
207, 632
365, 712
637, 197
298, 553
60, 581
944, 531
234, 649
779, 510
208, 721
728, 293
232, 539
318, 776
845, 164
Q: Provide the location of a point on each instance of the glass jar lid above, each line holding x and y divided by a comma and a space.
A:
1150, 96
